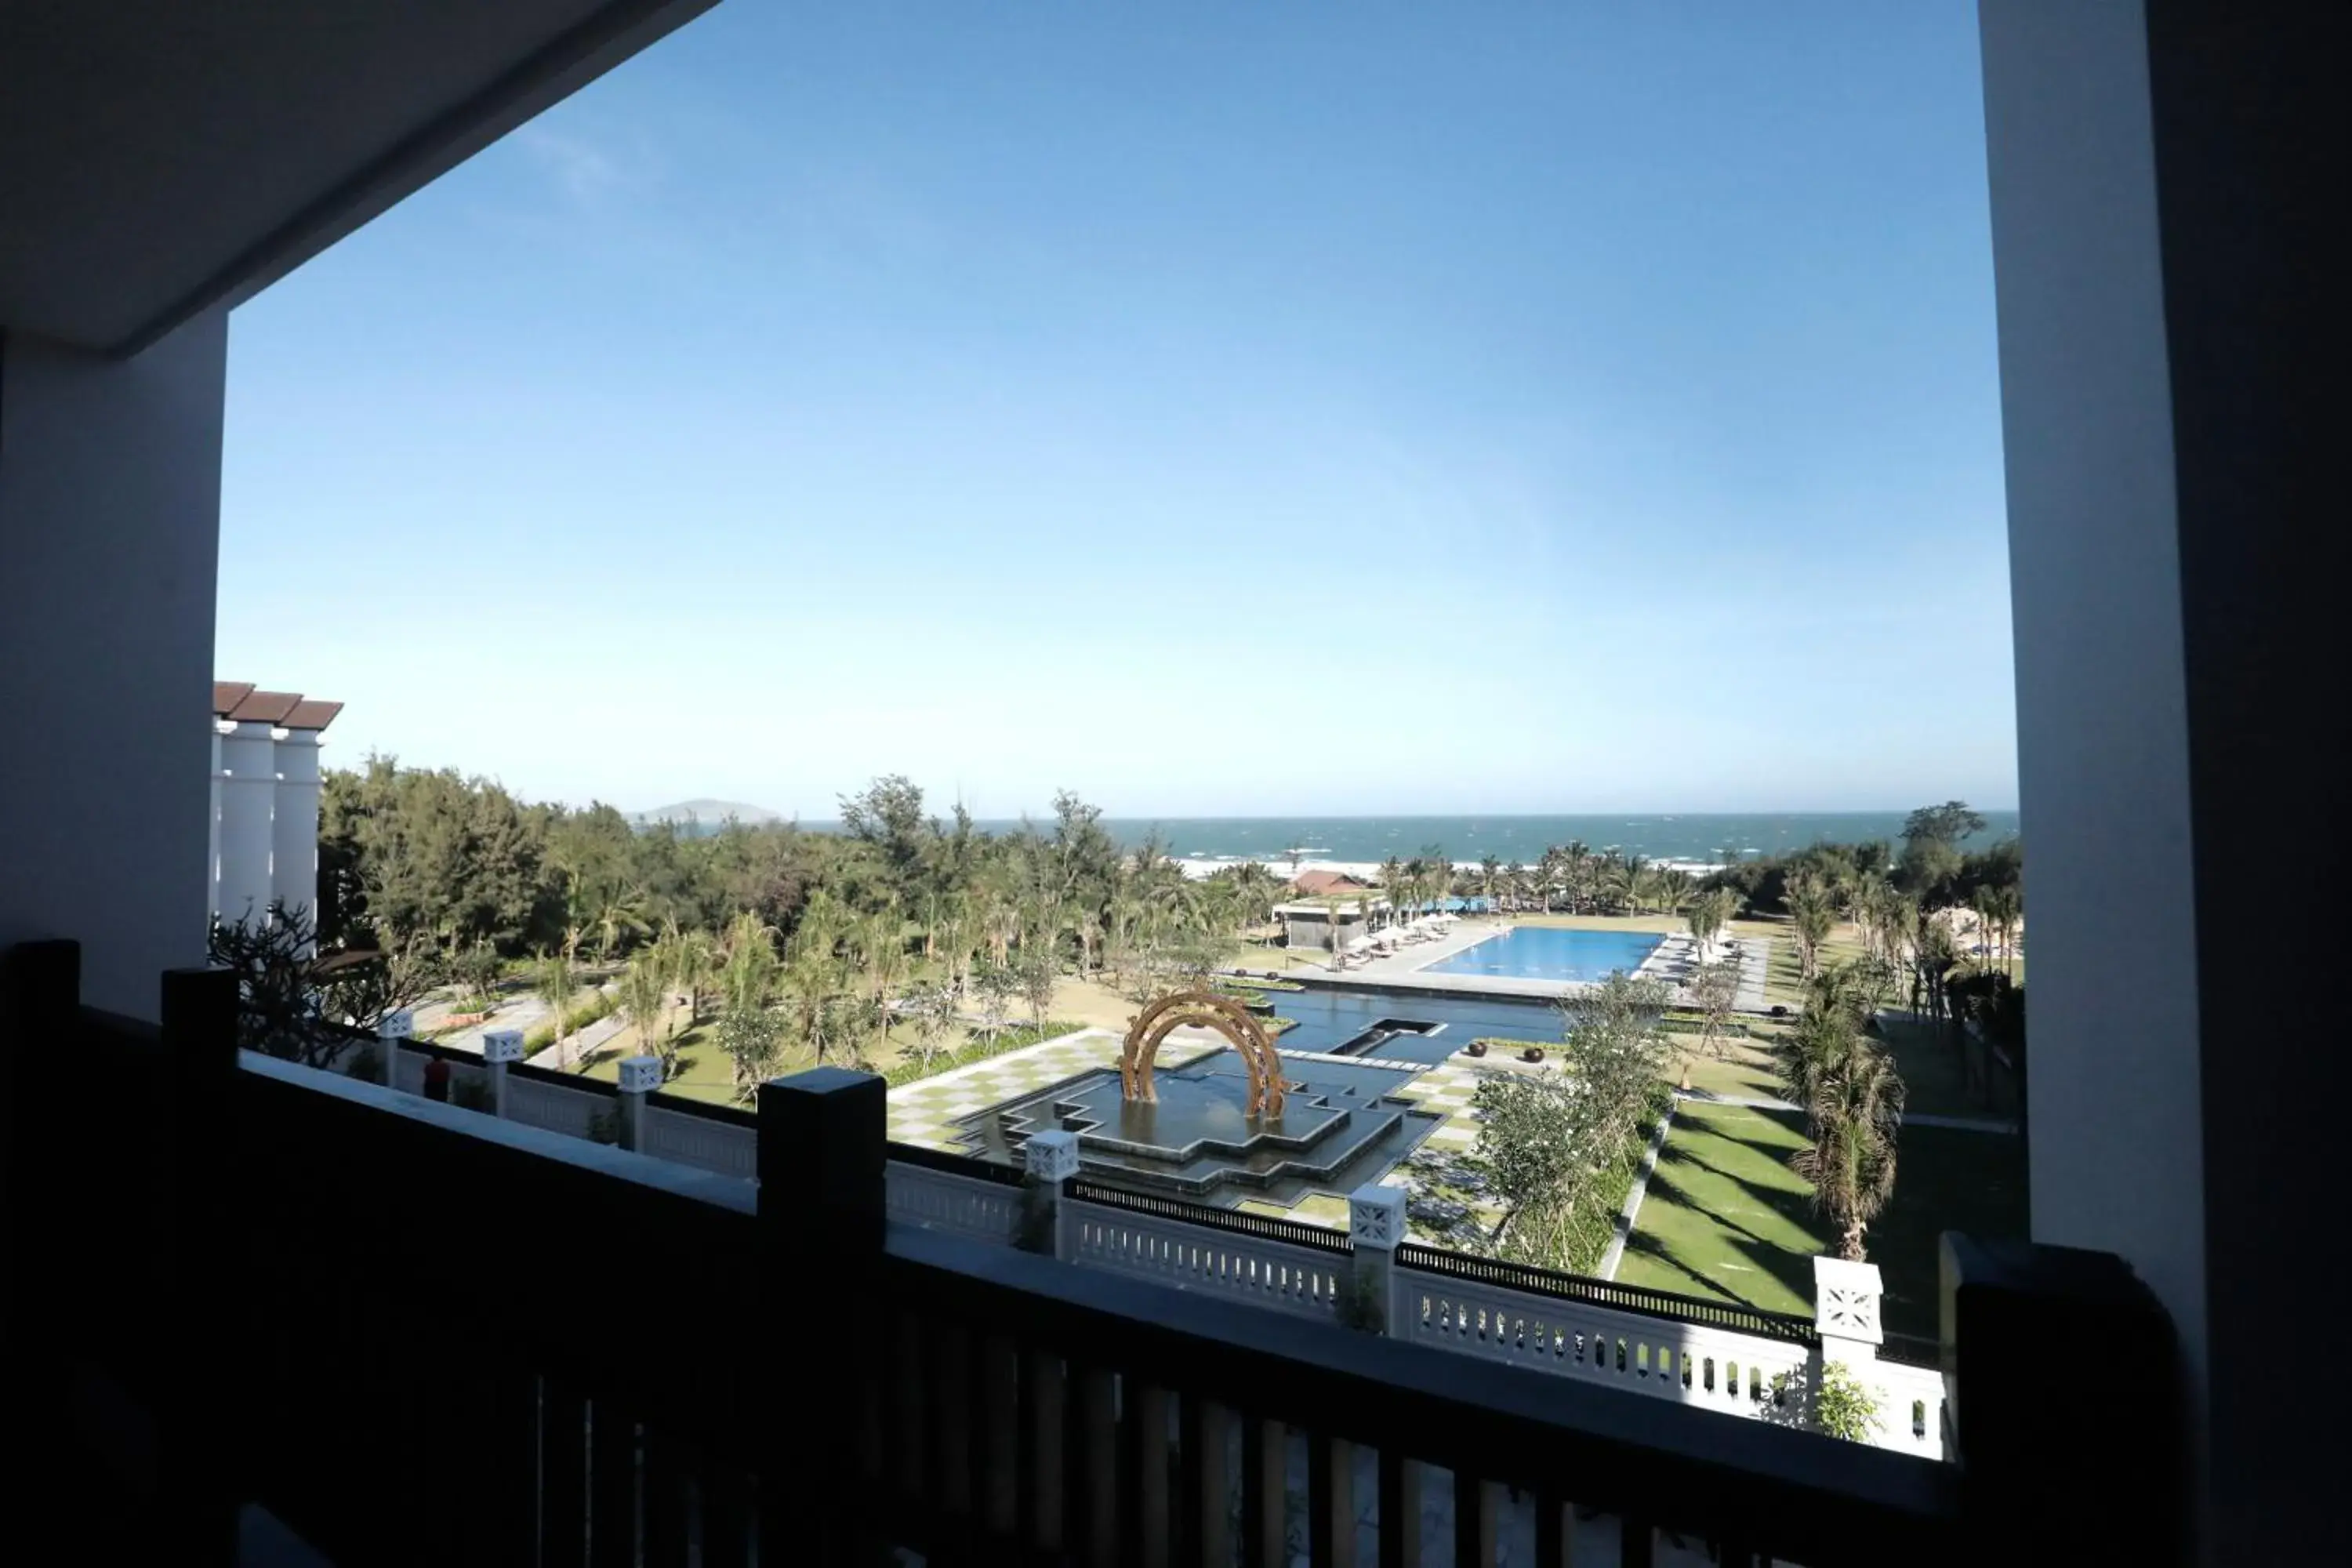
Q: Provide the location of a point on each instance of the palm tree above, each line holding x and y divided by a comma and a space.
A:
1999, 909
1489, 869
747, 977
645, 999
1615, 882
693, 961
553, 983
1811, 914
882, 946
1671, 888
620, 914
1854, 1117
1710, 912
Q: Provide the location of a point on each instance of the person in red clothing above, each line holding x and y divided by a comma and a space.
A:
437, 1080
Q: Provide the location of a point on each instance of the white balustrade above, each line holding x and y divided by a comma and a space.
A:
554, 1107
965, 1205
701, 1141
1910, 1408
1690, 1363
1300, 1280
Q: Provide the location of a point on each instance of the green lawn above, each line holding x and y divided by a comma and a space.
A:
1743, 1069
1725, 1218
1944, 1180
1933, 1081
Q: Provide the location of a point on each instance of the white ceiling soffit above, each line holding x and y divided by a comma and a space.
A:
159, 157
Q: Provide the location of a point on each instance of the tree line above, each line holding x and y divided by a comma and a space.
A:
784, 938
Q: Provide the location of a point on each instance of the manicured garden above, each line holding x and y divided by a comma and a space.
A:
1725, 1218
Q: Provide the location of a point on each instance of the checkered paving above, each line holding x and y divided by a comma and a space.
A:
924, 1112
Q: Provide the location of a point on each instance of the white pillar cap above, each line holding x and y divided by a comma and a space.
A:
502, 1046
1375, 1218
640, 1075
397, 1025
1845, 1301
1051, 1155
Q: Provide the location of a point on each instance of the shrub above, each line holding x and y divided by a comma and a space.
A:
1844, 1406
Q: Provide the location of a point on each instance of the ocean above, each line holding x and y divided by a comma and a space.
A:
1687, 837
1360, 840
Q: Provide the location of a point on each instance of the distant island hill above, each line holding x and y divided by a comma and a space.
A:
707, 814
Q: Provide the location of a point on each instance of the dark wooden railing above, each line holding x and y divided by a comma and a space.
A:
414, 1334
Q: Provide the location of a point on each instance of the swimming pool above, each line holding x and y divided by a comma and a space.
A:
1548, 953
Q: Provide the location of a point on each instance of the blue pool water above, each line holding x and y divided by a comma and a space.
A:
1547, 953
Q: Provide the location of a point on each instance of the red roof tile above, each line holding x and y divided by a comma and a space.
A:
312, 714
228, 694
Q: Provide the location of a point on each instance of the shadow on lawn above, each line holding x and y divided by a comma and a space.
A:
1794, 1271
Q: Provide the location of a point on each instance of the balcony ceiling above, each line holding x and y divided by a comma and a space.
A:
158, 156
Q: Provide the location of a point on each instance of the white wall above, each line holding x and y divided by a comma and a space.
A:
2102, 714
109, 518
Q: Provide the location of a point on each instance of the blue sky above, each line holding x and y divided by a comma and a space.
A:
1214, 409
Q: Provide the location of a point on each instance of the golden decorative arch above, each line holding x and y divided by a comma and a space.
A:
1228, 1017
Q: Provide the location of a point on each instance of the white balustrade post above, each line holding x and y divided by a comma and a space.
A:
500, 1046
1376, 1222
1051, 1159
391, 1033
1846, 1312
640, 1076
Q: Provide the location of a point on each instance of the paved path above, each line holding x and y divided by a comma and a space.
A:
569, 1052
525, 1013
1910, 1118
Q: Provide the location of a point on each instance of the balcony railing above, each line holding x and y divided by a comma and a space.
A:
415, 1332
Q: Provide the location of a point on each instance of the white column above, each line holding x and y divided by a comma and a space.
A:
1845, 1311
640, 1076
109, 515
1050, 1159
248, 801
294, 830
391, 1033
212, 826
500, 1048
1376, 1224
